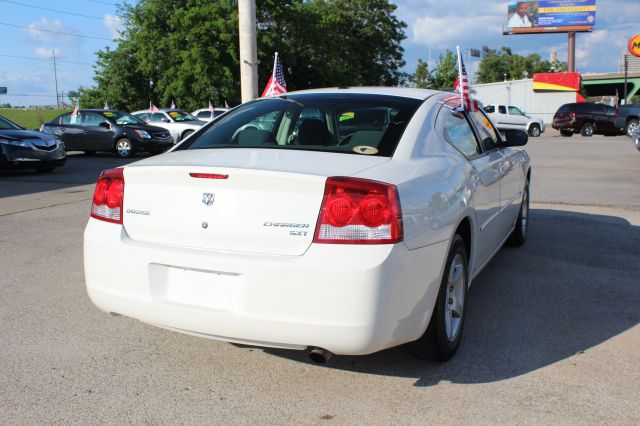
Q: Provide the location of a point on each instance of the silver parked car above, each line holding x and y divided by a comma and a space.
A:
207, 115
179, 123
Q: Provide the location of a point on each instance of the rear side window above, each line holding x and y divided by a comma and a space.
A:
584, 108
457, 132
361, 124
502, 109
204, 114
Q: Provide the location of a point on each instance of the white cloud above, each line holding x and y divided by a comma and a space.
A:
45, 37
44, 52
114, 24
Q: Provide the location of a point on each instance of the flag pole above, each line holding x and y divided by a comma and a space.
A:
275, 61
460, 89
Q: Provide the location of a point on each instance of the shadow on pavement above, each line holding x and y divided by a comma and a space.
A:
79, 169
572, 286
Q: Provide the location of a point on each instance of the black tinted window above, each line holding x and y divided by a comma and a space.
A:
204, 114
348, 123
565, 108
584, 107
490, 109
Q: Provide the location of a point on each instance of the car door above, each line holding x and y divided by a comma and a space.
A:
458, 132
97, 136
517, 118
511, 179
502, 118
68, 128
605, 118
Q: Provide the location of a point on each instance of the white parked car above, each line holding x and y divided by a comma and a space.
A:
207, 115
354, 222
511, 117
179, 123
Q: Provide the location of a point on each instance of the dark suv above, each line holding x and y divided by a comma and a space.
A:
92, 130
586, 118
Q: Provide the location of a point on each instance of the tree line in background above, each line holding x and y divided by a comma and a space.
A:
187, 51
496, 65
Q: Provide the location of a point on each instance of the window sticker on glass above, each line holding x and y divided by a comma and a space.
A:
347, 116
109, 114
363, 149
174, 114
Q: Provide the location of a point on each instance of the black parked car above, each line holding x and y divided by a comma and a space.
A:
20, 148
587, 118
92, 130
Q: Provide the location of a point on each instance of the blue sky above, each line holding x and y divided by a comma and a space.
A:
432, 25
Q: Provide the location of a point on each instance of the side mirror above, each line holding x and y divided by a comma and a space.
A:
515, 137
166, 120
105, 124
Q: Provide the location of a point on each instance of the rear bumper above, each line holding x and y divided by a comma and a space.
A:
346, 299
154, 144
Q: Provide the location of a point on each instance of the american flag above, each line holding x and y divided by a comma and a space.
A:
276, 84
106, 105
152, 108
173, 105
75, 110
462, 85
210, 107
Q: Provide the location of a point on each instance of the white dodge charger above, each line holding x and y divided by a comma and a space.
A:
340, 221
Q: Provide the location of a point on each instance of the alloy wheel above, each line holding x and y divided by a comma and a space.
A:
454, 298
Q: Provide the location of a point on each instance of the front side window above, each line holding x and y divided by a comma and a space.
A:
158, 117
487, 133
502, 109
92, 119
490, 109
203, 115
346, 123
515, 111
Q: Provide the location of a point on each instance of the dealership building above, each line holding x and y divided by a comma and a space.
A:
543, 94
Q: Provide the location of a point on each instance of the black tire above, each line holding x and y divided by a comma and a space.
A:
566, 133
519, 234
534, 130
436, 344
587, 130
123, 148
90, 152
631, 126
186, 134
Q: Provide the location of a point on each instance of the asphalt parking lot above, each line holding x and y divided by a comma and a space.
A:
552, 333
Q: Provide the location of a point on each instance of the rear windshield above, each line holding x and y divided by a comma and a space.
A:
347, 123
565, 108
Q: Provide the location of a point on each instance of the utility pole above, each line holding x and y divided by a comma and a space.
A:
571, 65
248, 49
55, 74
626, 74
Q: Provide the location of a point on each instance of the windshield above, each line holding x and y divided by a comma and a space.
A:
122, 118
347, 123
179, 116
6, 124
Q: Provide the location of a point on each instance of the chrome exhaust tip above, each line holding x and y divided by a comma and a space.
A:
320, 356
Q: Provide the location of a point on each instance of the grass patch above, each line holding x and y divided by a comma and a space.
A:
31, 118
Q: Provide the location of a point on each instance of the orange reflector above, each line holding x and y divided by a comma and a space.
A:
208, 176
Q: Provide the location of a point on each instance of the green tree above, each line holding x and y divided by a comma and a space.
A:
187, 50
500, 63
422, 78
446, 70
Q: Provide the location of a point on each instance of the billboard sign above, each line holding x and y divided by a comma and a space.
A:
548, 16
634, 45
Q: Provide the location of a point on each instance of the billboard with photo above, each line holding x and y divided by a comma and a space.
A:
550, 16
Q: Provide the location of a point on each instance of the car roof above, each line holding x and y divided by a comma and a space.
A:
406, 92
159, 110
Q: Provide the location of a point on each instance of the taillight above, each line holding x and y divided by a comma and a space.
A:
108, 196
359, 211
573, 115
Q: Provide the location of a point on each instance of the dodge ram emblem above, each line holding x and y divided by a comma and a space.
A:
207, 199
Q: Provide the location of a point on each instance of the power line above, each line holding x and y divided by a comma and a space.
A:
60, 11
33, 58
55, 32
105, 2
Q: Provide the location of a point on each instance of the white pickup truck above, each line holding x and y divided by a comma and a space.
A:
511, 117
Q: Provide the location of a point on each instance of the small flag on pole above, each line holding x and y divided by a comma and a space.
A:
462, 85
74, 114
210, 107
106, 105
173, 105
152, 108
276, 84
75, 110
226, 105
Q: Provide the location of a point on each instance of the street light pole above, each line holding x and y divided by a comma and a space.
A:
248, 50
55, 74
